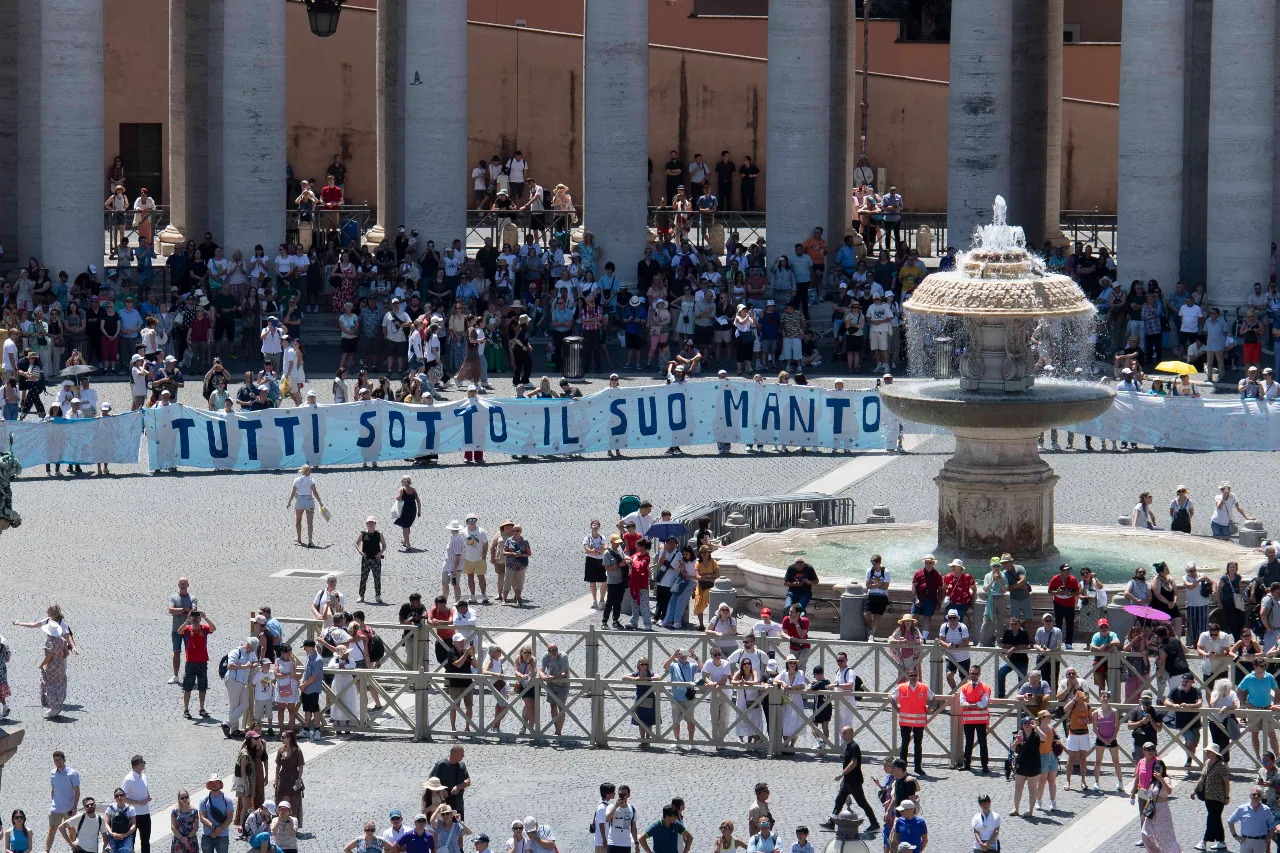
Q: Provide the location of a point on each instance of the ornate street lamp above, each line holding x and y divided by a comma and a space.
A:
323, 16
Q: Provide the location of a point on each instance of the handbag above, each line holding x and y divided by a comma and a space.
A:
397, 508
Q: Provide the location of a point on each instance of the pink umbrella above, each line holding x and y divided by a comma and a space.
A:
1143, 611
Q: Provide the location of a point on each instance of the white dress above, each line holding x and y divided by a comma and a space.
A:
345, 694
287, 683
751, 723
793, 712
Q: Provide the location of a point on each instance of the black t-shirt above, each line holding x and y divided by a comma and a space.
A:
852, 752
805, 571
451, 774
904, 789
412, 612
676, 166
1175, 658
110, 324
370, 543
1179, 696
338, 171
1016, 638
748, 173
1136, 301
724, 171
1145, 733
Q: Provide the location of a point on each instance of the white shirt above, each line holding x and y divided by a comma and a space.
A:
643, 522
391, 325
986, 825
620, 826
515, 173
451, 562
883, 576
271, 344
767, 629
716, 671
289, 363
89, 398
465, 623
139, 373
284, 263
475, 545
958, 634
879, 311
1190, 318
1221, 512
480, 178
135, 788
10, 355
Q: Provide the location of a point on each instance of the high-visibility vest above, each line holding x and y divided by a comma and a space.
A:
970, 713
913, 705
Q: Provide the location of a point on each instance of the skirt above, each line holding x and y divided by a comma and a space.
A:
593, 571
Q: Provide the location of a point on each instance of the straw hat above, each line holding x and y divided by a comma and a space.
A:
906, 617
433, 784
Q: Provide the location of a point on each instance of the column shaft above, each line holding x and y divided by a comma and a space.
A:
615, 87
72, 153
188, 187
9, 134
1241, 148
799, 116
28, 50
1195, 145
253, 125
390, 60
435, 122
844, 117
214, 127
979, 114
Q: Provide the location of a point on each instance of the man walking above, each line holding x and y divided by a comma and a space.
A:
850, 779
181, 603
1256, 822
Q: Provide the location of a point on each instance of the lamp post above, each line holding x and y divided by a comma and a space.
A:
323, 16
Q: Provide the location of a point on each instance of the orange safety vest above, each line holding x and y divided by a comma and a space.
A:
971, 714
913, 705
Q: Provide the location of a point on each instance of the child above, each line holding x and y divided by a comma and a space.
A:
11, 399
263, 694
630, 539
821, 705
5, 654
802, 844
767, 631
286, 687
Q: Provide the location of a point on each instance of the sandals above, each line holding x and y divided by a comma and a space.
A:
204, 713
186, 712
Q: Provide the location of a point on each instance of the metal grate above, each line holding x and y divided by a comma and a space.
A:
309, 574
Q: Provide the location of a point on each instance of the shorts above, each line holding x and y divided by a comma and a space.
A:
174, 637
1048, 762
879, 340
682, 710
961, 666
311, 702
634, 341
138, 403
703, 334
224, 329
195, 676
924, 608
1110, 744
1078, 743
1255, 725
877, 604
56, 819
791, 350
722, 336
476, 567
458, 689
348, 345
768, 346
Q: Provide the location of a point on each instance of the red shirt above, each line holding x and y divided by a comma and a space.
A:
629, 541
196, 638
959, 586
331, 196
1063, 589
796, 629
201, 328
638, 580
927, 585
442, 614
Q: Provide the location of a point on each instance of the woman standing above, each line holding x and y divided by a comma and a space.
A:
854, 331
1164, 597
307, 498
53, 670
1028, 771
1214, 788
1093, 603
367, 843
1048, 761
1224, 726
645, 711
1181, 510
707, 571
616, 571
526, 673
658, 323
286, 678
744, 338
470, 371
496, 666
682, 588
1226, 597
294, 368
250, 776
1251, 335
184, 825
408, 508
346, 705
1136, 663
593, 571
287, 780
1157, 831
1106, 723
1142, 517
456, 351
746, 697
793, 682
17, 838
723, 628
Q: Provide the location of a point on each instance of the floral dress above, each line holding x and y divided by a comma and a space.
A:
5, 655
53, 678
188, 838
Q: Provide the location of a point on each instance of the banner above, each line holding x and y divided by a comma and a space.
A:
651, 417
1188, 423
80, 441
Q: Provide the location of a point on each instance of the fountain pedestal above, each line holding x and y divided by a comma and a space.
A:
996, 494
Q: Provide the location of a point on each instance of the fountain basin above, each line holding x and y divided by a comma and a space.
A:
1048, 403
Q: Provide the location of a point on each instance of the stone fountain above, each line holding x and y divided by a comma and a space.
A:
996, 493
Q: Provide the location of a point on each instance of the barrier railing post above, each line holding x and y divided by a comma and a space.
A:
774, 722
597, 688
421, 706
935, 668
957, 730
1115, 675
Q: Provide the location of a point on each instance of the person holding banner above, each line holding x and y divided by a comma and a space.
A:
304, 497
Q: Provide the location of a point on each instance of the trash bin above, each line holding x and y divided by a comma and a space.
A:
571, 357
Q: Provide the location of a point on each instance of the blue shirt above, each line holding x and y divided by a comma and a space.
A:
1259, 690
225, 805
64, 783
412, 842
801, 265
664, 837
760, 844
912, 830
1252, 822
313, 669
239, 656
769, 326
847, 259
261, 838
277, 631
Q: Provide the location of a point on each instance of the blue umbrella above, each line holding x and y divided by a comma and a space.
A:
667, 530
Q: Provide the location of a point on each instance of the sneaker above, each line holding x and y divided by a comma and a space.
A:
471, 599
831, 824
484, 599
1053, 805
1139, 843
172, 680
1096, 789
1200, 845
1119, 787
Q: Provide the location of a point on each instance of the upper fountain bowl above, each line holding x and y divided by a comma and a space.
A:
999, 279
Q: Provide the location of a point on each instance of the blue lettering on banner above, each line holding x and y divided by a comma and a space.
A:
184, 445
466, 413
770, 408
870, 405
287, 426
672, 399
315, 433
428, 420
730, 406
546, 426
366, 421
395, 419
216, 451
496, 416
565, 438
837, 405
795, 414
649, 427
616, 408
250, 428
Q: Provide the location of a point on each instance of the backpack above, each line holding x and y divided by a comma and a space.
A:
120, 821
377, 648
222, 666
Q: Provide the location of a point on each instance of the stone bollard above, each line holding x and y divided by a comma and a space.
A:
1119, 621
722, 592
880, 514
1252, 534
852, 602
736, 527
808, 519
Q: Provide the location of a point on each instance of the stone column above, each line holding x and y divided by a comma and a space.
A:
213, 127
253, 125
615, 86
390, 61
1195, 144
1152, 84
799, 113
843, 138
1241, 148
72, 153
434, 83
188, 187
28, 50
1036, 137
979, 114
9, 133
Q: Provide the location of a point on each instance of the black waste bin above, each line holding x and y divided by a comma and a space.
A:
571, 357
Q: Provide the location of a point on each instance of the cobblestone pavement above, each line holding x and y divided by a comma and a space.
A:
108, 550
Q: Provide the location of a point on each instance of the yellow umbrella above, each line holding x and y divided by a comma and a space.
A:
1179, 367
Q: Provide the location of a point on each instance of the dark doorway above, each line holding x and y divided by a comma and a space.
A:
142, 156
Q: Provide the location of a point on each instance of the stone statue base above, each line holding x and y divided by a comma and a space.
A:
995, 495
